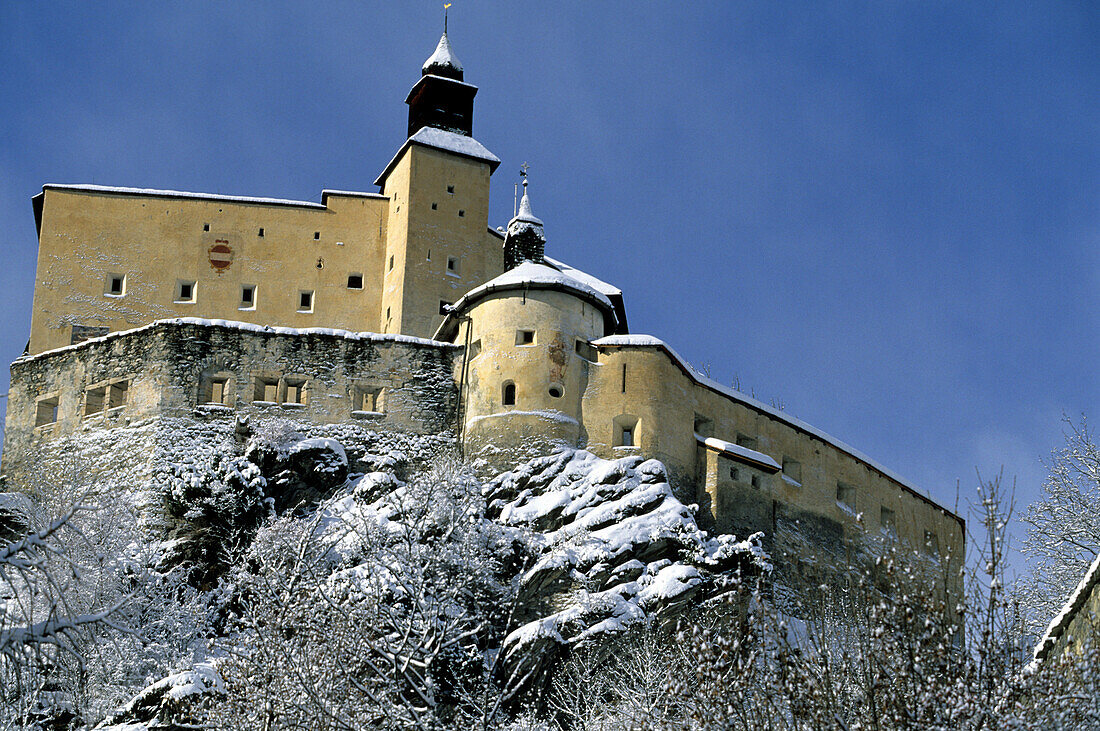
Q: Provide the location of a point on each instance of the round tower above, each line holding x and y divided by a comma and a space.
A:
527, 359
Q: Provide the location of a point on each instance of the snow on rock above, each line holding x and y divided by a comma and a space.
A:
168, 702
611, 546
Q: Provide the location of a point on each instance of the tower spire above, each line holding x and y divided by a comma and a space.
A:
525, 240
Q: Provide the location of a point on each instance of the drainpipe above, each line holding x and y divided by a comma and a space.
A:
462, 391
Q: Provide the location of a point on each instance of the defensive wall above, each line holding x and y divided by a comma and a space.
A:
210, 370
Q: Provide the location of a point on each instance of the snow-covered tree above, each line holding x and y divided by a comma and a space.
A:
1063, 528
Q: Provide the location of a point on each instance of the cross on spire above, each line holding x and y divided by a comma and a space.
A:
523, 174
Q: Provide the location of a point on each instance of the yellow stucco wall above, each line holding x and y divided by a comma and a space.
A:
422, 240
156, 242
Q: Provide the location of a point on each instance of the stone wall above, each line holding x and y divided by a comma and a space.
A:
211, 370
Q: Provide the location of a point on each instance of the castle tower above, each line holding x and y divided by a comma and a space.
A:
528, 348
438, 243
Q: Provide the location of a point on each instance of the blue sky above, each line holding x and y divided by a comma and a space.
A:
885, 215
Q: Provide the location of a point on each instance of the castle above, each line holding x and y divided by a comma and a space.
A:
404, 309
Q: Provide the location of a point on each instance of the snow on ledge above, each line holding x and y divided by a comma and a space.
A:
653, 342
743, 453
548, 414
247, 327
1058, 625
88, 188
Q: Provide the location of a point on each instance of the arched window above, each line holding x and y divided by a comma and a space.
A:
508, 395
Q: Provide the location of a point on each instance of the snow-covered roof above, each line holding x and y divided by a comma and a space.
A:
244, 327
525, 213
650, 341
742, 453
528, 275
112, 190
1058, 625
596, 284
351, 194
443, 59
443, 140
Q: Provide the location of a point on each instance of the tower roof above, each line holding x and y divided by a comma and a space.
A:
525, 214
443, 62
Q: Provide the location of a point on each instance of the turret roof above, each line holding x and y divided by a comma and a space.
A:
525, 214
443, 62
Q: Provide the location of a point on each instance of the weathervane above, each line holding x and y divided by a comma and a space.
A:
523, 174
445, 6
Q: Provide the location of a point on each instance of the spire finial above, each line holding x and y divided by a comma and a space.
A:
445, 6
523, 174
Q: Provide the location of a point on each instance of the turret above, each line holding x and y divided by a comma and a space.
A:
525, 240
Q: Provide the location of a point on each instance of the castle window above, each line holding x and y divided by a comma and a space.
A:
391, 263
248, 297
586, 350
261, 233
744, 440
452, 265
525, 337
624, 377
295, 392
316, 235
368, 398
206, 227
185, 290
888, 522
556, 390
461, 213
387, 313
451, 189
435, 206
305, 300
508, 394
45, 411
475, 349
116, 394
429, 257
845, 495
94, 400
931, 543
792, 470
444, 307
115, 285
265, 389
703, 426
625, 430
355, 281
735, 474
218, 391
756, 481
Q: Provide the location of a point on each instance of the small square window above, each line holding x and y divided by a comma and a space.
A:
115, 286
931, 543
792, 469
116, 394
316, 235
444, 307
265, 389
95, 399
206, 227
355, 281
756, 481
305, 301
366, 398
295, 392
888, 522
219, 391
248, 297
452, 265
261, 233
525, 337
627, 436
744, 440
735, 474
451, 189
846, 494
185, 290
461, 213
45, 411
435, 206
